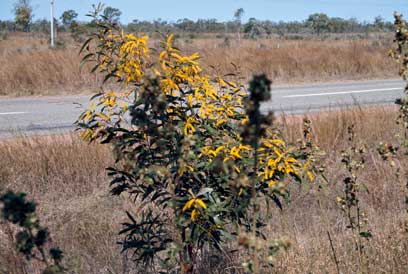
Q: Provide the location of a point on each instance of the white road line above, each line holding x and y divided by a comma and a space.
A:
12, 113
339, 92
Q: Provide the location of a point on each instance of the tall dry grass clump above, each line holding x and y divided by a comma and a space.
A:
30, 67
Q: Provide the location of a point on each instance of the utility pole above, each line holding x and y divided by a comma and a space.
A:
52, 23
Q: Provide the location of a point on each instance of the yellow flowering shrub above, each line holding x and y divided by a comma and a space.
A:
194, 151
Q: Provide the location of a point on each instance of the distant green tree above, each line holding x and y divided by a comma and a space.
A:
338, 25
379, 23
319, 23
23, 12
68, 19
254, 28
112, 15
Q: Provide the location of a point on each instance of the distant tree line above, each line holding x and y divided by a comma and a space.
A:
318, 24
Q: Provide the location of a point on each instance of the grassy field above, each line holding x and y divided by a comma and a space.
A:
29, 67
67, 179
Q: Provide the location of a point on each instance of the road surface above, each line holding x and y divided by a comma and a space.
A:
42, 115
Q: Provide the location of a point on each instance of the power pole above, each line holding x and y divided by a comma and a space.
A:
52, 23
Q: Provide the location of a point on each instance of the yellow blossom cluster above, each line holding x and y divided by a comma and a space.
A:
275, 159
132, 55
196, 204
208, 100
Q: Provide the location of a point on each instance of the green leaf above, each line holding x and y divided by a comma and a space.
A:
366, 234
85, 44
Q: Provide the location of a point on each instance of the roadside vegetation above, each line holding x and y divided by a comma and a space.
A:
57, 72
67, 179
318, 49
174, 169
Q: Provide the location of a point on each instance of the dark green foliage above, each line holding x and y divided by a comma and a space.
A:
259, 91
23, 14
17, 210
319, 23
68, 18
146, 237
111, 15
32, 238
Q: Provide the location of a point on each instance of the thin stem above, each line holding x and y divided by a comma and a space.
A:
336, 261
254, 196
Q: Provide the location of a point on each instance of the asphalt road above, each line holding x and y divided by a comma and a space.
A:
42, 115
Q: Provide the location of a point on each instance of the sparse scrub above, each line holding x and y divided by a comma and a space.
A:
68, 180
31, 68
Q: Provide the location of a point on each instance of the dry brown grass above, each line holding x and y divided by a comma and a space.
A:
29, 67
301, 61
67, 178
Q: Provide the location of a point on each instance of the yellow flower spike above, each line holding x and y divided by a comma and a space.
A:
279, 154
212, 153
218, 149
246, 148
190, 100
245, 121
235, 153
277, 141
156, 72
189, 129
237, 169
220, 122
87, 115
194, 215
232, 84
86, 135
195, 56
196, 203
124, 107
241, 191
169, 85
310, 176
175, 55
92, 106
272, 183
188, 205
183, 169
169, 42
103, 116
163, 55
222, 82
200, 203
291, 160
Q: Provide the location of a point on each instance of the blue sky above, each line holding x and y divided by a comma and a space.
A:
274, 10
